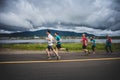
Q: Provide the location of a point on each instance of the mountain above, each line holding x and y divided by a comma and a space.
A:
42, 33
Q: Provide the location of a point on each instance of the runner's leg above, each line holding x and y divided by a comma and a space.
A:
110, 49
106, 48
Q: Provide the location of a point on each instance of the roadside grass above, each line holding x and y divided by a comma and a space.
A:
71, 46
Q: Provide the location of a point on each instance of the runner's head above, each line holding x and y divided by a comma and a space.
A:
83, 35
48, 32
107, 36
56, 33
91, 38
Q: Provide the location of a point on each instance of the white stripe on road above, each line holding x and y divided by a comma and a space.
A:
52, 61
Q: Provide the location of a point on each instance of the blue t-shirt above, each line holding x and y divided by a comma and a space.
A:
93, 42
58, 38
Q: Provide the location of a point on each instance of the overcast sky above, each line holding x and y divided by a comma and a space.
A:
99, 17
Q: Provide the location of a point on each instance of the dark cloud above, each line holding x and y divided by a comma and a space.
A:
70, 14
117, 5
2, 4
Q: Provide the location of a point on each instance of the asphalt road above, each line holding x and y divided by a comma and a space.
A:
72, 66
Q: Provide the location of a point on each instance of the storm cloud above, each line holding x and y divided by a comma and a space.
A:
72, 15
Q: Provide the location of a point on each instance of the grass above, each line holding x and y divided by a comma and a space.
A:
70, 46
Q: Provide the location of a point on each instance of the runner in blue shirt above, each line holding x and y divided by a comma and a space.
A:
58, 42
93, 44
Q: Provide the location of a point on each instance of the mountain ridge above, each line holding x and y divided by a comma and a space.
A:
42, 33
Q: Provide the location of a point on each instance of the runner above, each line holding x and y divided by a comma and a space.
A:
58, 43
108, 44
93, 44
50, 48
84, 44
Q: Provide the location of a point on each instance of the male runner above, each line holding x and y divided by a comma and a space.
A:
84, 41
50, 40
108, 44
58, 42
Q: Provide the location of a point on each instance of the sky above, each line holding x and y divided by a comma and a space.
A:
99, 17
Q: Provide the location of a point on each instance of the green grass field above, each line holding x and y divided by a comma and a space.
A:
70, 46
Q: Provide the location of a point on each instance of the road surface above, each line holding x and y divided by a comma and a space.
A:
73, 66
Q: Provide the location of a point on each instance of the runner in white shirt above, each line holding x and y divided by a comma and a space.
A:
50, 40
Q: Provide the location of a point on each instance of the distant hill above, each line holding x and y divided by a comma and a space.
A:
42, 33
